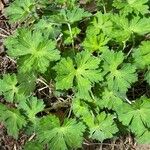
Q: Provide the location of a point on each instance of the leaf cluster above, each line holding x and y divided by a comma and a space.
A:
88, 60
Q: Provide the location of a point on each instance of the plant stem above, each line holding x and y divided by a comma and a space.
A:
69, 27
104, 8
132, 46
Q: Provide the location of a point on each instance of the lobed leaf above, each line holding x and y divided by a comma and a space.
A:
141, 55
101, 127
32, 106
95, 42
20, 10
136, 115
110, 100
119, 78
60, 137
70, 15
12, 119
9, 87
84, 71
130, 6
40, 51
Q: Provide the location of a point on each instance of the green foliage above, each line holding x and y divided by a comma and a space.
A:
129, 6
40, 51
74, 32
99, 126
70, 16
82, 62
100, 23
8, 87
85, 72
32, 106
137, 24
68, 3
147, 76
12, 119
35, 144
110, 99
119, 76
27, 83
144, 138
20, 10
136, 115
95, 42
48, 28
81, 108
58, 136
128, 28
142, 55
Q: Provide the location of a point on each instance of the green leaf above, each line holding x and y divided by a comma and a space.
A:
80, 108
69, 37
136, 25
50, 29
20, 10
136, 116
9, 87
98, 127
144, 138
27, 83
65, 73
32, 106
128, 27
35, 144
100, 23
82, 74
70, 16
14, 87
12, 119
119, 78
110, 100
95, 42
60, 137
76, 14
120, 25
130, 6
147, 76
68, 3
141, 55
40, 51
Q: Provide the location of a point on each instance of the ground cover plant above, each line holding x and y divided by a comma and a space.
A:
77, 68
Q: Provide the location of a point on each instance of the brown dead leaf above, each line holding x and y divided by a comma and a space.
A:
1, 6
143, 147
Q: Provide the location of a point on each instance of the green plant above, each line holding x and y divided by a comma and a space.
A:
84, 62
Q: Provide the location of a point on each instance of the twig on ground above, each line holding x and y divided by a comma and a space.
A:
31, 137
6, 32
11, 59
3, 35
